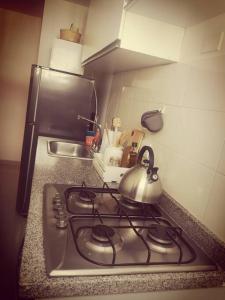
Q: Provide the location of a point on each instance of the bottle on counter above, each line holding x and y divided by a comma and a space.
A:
133, 155
125, 157
89, 137
129, 157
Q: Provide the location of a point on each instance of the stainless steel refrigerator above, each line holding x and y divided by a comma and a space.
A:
55, 98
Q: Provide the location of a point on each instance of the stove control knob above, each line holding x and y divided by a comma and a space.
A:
60, 214
56, 199
61, 223
58, 206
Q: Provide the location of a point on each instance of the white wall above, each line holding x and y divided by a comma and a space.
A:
58, 14
190, 149
20, 35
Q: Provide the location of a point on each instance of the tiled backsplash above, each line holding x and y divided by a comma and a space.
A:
190, 149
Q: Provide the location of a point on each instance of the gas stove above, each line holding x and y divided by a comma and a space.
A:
95, 231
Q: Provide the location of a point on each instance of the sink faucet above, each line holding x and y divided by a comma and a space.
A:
96, 144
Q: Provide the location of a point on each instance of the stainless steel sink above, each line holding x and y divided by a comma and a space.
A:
69, 149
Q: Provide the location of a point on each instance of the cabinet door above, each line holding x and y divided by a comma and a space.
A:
103, 25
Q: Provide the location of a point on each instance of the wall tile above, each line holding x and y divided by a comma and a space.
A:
203, 135
206, 85
183, 179
171, 135
132, 105
221, 164
214, 213
143, 94
167, 83
196, 35
187, 181
191, 43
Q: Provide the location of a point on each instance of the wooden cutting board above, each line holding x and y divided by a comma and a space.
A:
131, 136
125, 138
137, 137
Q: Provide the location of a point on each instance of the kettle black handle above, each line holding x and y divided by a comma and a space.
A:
151, 157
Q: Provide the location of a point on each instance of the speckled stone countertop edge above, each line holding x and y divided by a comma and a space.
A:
119, 284
203, 237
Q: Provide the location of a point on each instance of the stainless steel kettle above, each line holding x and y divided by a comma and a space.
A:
141, 183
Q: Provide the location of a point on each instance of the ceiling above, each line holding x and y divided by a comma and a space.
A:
29, 7
182, 13
80, 2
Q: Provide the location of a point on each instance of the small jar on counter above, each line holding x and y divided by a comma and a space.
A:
89, 137
112, 156
133, 155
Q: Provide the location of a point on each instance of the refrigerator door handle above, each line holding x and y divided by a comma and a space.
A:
33, 95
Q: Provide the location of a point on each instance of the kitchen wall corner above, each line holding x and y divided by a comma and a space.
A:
190, 149
103, 86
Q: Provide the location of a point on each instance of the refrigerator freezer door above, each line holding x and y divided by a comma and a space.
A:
62, 96
27, 168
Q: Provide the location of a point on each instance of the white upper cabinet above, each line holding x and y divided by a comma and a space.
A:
103, 25
150, 36
123, 35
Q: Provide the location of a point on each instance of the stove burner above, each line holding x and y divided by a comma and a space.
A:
87, 196
139, 208
161, 234
85, 199
161, 237
100, 238
129, 204
102, 233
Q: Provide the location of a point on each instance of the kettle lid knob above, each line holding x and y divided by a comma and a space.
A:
154, 176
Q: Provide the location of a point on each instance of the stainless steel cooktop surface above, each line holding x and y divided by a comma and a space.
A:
94, 231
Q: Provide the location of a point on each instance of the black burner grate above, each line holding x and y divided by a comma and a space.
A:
171, 233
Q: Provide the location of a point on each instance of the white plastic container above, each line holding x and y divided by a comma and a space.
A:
108, 173
112, 156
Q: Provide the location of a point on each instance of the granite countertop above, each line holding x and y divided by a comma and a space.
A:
34, 282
